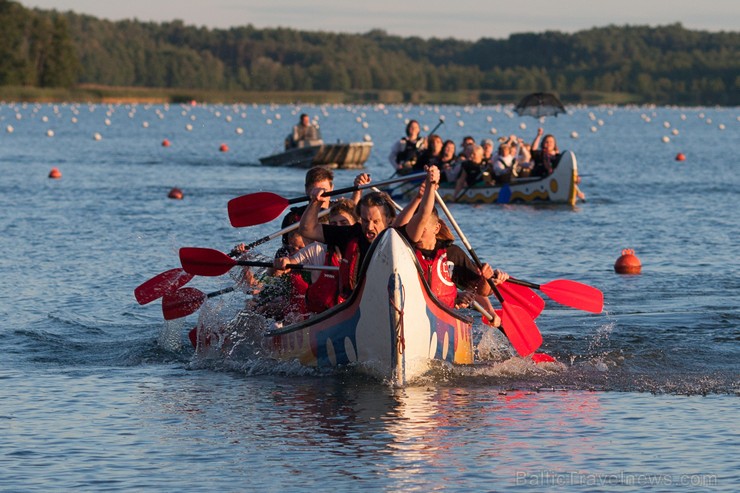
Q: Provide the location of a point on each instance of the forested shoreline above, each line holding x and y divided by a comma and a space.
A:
48, 50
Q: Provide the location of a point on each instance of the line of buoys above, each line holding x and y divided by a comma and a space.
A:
175, 193
55, 173
627, 263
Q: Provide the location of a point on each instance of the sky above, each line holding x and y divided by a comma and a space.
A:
461, 19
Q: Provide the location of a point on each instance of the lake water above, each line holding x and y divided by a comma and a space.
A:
98, 393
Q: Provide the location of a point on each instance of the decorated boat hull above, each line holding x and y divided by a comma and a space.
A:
391, 327
344, 156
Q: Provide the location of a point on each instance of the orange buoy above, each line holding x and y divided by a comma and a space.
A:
680, 156
628, 263
165, 143
175, 193
223, 148
55, 173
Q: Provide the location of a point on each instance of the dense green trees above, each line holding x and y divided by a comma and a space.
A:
667, 64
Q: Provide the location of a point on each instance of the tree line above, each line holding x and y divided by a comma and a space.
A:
664, 65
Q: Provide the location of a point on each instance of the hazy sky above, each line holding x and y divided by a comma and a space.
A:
462, 19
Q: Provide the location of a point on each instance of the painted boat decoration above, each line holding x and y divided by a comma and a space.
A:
350, 155
558, 188
391, 328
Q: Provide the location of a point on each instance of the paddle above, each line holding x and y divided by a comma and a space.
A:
208, 262
517, 323
170, 280
261, 207
570, 293
504, 194
185, 301
161, 284
524, 297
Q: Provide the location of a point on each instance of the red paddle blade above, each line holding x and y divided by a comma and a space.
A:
575, 295
205, 261
161, 284
182, 303
520, 329
543, 358
522, 296
255, 208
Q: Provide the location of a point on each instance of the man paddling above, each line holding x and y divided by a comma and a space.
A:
376, 214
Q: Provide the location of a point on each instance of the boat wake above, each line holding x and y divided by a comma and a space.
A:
592, 363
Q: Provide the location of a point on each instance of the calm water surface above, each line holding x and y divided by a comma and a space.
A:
97, 393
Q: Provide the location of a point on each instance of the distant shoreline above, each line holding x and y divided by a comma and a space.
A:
142, 95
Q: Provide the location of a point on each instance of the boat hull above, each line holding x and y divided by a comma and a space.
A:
390, 328
344, 156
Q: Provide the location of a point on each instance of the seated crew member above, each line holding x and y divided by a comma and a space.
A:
305, 134
446, 265
405, 152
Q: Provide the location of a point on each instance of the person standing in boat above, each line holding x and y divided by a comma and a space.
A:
405, 152
445, 265
305, 134
376, 213
546, 158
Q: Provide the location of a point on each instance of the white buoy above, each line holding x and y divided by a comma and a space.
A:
269, 121
674, 131
188, 127
523, 126
50, 133
667, 124
494, 131
145, 124
721, 126
45, 119
594, 129
666, 139
107, 122
74, 119
97, 136
365, 125
460, 123
9, 129
368, 138
574, 135
239, 130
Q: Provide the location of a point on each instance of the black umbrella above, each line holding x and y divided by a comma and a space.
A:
539, 104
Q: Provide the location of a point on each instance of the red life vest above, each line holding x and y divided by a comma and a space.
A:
334, 287
438, 276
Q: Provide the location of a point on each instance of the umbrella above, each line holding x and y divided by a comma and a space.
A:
539, 104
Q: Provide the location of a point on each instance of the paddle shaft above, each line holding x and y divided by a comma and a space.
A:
341, 191
277, 234
252, 263
467, 244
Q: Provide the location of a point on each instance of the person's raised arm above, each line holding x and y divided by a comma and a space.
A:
419, 220
537, 138
360, 180
310, 227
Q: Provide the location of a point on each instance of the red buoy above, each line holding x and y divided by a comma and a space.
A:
55, 173
628, 263
223, 148
165, 143
680, 156
176, 194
